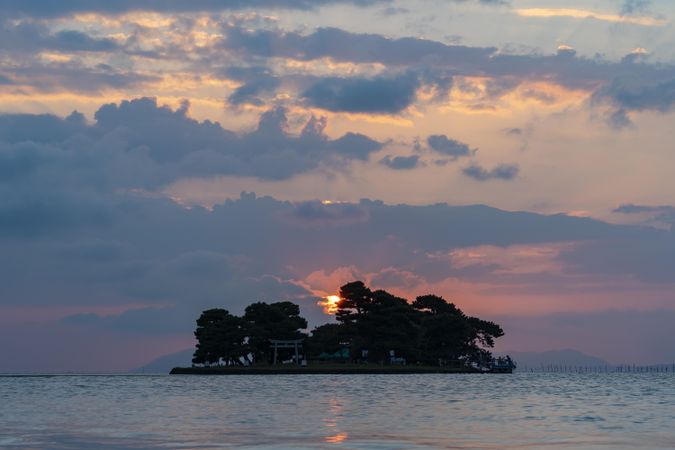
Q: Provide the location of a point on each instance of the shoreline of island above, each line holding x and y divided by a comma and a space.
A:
318, 370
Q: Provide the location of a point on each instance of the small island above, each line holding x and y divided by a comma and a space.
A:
375, 332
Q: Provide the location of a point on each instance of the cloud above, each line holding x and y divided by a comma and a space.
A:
28, 36
638, 94
152, 265
586, 14
392, 277
252, 57
379, 95
648, 259
47, 8
438, 65
342, 45
401, 162
449, 147
142, 321
661, 213
328, 213
140, 144
75, 76
628, 94
28, 214
630, 208
256, 81
38, 128
630, 7
501, 172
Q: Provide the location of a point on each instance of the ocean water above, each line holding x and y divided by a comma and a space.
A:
524, 410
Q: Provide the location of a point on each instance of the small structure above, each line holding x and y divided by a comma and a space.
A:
502, 365
286, 343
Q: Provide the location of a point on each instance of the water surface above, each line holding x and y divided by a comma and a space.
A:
527, 410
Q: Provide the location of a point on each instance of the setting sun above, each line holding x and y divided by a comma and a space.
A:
330, 304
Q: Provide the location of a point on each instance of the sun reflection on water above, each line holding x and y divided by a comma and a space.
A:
335, 410
337, 438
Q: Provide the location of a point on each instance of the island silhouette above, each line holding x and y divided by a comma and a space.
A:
375, 332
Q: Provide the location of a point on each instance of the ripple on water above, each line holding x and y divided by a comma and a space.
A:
346, 411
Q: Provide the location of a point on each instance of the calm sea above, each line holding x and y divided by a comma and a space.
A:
561, 411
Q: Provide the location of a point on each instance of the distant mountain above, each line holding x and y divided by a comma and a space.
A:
567, 357
165, 363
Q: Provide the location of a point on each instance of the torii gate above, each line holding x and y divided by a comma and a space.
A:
286, 343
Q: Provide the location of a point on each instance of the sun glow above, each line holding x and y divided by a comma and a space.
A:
330, 304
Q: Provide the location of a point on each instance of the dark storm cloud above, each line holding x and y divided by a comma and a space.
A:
500, 172
388, 95
401, 162
449, 147
49, 8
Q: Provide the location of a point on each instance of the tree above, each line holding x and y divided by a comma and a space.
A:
483, 334
355, 298
327, 338
279, 320
427, 330
220, 335
449, 334
445, 332
389, 323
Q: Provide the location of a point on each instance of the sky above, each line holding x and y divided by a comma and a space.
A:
158, 158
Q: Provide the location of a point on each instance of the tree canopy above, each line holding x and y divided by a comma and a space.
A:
370, 325
222, 336
426, 330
